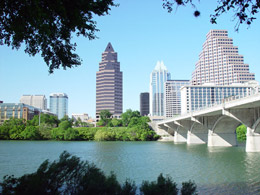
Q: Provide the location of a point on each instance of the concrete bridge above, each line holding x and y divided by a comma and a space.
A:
216, 125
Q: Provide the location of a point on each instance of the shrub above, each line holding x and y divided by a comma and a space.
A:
163, 186
189, 188
241, 133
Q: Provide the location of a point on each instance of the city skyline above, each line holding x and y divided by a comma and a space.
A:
141, 39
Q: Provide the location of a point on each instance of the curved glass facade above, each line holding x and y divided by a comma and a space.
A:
59, 104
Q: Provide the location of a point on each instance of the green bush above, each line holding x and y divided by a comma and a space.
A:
31, 133
137, 130
241, 133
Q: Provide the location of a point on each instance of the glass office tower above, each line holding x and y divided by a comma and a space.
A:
59, 104
157, 79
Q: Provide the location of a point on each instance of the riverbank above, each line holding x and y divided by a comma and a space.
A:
81, 134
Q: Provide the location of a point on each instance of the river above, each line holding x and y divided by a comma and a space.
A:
218, 170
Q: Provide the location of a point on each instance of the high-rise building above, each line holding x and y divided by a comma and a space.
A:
219, 62
194, 97
38, 101
109, 84
173, 97
157, 79
144, 104
59, 104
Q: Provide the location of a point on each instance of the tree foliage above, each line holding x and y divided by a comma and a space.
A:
244, 10
189, 188
46, 27
163, 186
70, 175
53, 129
128, 115
241, 133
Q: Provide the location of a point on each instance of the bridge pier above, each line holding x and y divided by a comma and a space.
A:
252, 141
180, 137
222, 139
196, 138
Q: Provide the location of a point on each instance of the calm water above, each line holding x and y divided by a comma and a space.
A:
227, 170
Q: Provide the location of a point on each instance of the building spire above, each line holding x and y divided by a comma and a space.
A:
109, 48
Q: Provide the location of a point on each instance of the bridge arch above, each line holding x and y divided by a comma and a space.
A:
225, 124
198, 134
256, 126
198, 128
223, 132
180, 135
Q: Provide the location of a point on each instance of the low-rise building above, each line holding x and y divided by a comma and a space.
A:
194, 97
172, 97
83, 117
17, 110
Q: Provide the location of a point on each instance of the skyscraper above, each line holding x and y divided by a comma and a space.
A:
38, 101
219, 62
109, 84
173, 97
144, 104
157, 79
59, 104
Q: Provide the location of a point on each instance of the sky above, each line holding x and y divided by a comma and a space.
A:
142, 33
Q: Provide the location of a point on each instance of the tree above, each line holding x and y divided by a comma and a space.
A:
245, 10
50, 120
77, 122
163, 186
68, 175
189, 188
31, 133
12, 129
105, 116
126, 116
47, 27
115, 122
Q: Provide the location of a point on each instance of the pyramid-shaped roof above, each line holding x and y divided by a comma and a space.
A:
109, 48
160, 66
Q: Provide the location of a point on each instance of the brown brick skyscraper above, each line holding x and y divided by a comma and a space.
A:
109, 84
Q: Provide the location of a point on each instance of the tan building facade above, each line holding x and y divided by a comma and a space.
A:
109, 84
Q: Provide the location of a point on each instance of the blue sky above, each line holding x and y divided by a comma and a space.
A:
141, 32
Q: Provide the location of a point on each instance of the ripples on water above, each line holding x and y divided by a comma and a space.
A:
218, 170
